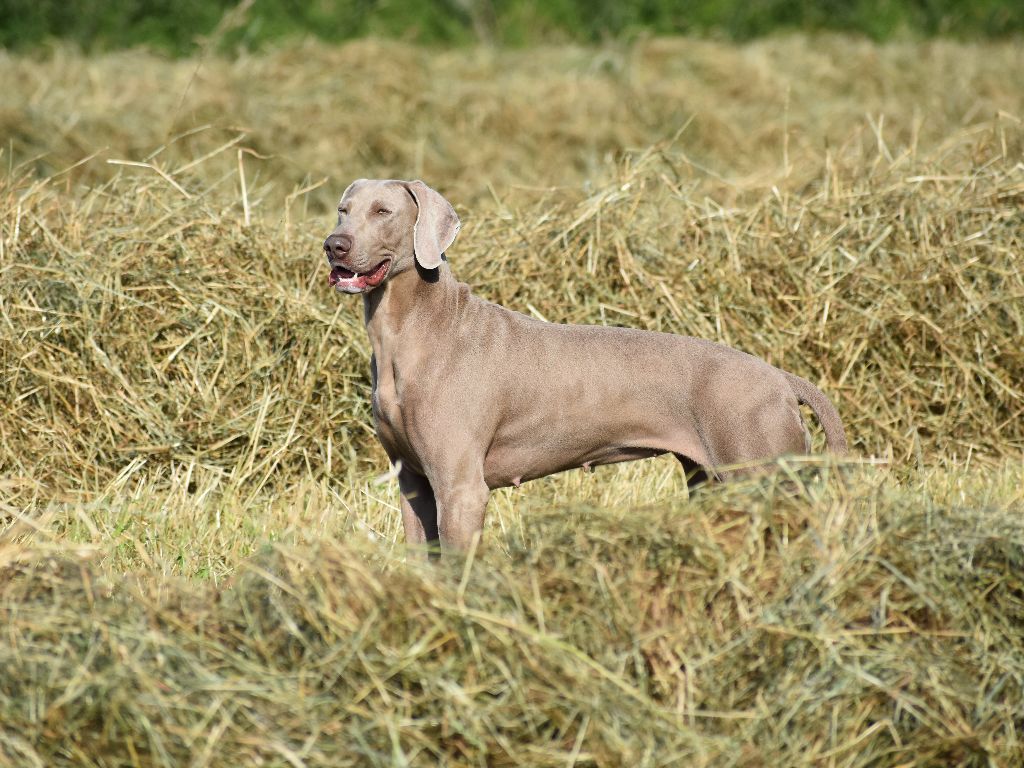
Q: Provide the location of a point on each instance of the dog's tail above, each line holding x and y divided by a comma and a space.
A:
808, 394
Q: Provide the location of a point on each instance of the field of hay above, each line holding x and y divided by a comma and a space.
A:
200, 550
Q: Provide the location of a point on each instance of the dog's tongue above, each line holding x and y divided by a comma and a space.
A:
373, 278
347, 280
352, 282
339, 275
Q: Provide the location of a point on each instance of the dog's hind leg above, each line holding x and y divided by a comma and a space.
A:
696, 474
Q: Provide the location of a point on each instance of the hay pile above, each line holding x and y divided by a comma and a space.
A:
847, 625
198, 564
145, 320
477, 121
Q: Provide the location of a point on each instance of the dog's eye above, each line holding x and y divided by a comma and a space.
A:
342, 211
382, 211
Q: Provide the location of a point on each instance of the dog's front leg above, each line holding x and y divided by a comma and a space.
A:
461, 502
419, 510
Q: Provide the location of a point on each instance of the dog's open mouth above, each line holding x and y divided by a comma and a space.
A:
348, 281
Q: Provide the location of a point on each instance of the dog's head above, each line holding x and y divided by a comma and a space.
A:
384, 228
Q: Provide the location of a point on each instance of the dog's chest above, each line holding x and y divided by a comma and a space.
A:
387, 410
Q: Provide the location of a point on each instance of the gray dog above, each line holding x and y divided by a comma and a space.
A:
469, 396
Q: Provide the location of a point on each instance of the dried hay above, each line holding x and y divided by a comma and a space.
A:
199, 565
848, 624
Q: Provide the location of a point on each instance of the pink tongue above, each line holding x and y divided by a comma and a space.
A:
338, 275
375, 277
341, 275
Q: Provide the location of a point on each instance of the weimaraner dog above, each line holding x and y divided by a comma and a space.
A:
469, 396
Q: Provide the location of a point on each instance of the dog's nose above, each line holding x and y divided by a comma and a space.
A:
337, 246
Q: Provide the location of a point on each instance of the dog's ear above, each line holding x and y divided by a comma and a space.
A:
436, 226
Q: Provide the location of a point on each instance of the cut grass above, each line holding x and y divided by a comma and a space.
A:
146, 326
849, 622
202, 563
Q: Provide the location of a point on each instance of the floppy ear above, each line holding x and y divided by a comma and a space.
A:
436, 226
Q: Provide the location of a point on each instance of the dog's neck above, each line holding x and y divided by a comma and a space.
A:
409, 302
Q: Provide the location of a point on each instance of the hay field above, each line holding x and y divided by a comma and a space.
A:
200, 558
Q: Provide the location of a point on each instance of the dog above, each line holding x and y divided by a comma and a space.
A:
469, 396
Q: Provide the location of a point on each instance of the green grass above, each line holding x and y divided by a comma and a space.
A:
200, 552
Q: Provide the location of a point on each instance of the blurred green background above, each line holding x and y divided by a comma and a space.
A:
179, 27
